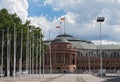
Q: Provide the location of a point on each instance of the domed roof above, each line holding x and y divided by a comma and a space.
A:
78, 43
66, 36
60, 40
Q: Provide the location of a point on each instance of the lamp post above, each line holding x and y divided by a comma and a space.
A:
88, 56
89, 62
100, 19
50, 55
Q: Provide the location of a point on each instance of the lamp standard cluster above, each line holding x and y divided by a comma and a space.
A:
100, 19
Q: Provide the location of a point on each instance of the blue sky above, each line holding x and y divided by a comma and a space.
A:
36, 8
80, 17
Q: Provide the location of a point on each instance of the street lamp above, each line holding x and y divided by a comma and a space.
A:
89, 62
100, 19
88, 56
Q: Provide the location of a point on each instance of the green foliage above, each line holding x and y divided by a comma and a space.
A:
9, 21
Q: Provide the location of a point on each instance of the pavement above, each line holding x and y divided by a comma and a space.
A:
79, 78
56, 78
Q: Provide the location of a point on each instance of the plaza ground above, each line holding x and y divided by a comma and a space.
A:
59, 78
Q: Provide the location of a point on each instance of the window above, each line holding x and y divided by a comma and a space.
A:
79, 54
73, 62
90, 54
115, 54
59, 59
104, 55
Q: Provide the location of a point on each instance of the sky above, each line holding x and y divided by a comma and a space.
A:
80, 17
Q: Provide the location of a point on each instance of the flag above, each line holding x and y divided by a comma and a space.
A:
63, 19
58, 27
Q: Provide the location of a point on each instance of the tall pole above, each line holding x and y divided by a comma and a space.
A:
64, 25
43, 58
40, 55
63, 20
50, 55
100, 19
33, 52
30, 54
14, 51
27, 50
37, 55
20, 68
100, 50
2, 52
8, 53
89, 62
60, 28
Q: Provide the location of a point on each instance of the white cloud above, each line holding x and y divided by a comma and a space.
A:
105, 42
82, 15
16, 6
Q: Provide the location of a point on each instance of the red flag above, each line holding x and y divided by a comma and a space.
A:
58, 27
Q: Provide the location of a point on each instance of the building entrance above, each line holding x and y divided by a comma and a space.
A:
58, 69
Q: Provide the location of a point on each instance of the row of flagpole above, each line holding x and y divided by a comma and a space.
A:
29, 49
29, 53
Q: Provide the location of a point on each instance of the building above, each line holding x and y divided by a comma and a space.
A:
69, 54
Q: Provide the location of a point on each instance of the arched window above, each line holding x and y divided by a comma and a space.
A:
90, 54
115, 54
79, 54
104, 55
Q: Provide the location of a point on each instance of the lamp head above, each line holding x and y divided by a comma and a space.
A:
100, 19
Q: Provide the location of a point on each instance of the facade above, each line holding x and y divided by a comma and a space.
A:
80, 55
63, 56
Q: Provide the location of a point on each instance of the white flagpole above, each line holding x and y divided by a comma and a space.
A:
27, 50
8, 58
40, 55
50, 54
30, 54
20, 68
37, 55
2, 52
14, 51
63, 19
33, 53
43, 59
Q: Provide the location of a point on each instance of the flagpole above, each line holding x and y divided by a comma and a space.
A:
20, 68
8, 59
60, 28
64, 25
36, 54
50, 54
10, 55
30, 54
2, 52
40, 55
27, 50
33, 52
14, 51
43, 58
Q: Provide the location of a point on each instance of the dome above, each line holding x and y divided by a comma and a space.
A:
60, 40
77, 43
66, 36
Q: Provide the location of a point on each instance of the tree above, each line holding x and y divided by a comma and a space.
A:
7, 23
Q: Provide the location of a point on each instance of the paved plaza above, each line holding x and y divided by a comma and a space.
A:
57, 78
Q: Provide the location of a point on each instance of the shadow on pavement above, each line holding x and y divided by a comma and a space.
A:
112, 79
